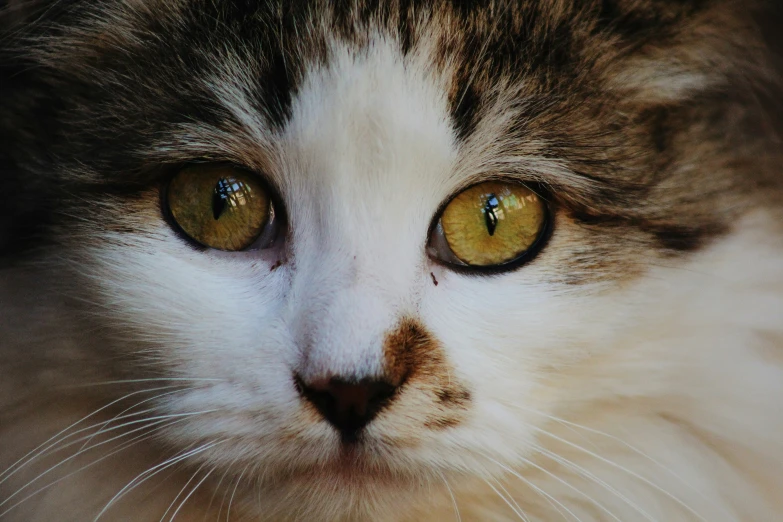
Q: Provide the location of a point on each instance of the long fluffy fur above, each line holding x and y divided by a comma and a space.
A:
630, 371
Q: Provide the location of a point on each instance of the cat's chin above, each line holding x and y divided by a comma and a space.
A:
350, 465
350, 485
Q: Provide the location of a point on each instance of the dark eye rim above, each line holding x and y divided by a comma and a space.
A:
277, 210
524, 258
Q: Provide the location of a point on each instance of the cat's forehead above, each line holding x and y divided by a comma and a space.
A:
370, 115
365, 159
350, 102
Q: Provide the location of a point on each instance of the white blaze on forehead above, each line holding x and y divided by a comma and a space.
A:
368, 151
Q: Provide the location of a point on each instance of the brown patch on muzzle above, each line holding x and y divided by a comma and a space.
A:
416, 360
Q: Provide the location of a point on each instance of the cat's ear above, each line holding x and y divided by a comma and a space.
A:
673, 51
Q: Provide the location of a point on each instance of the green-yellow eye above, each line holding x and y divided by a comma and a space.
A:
219, 206
490, 224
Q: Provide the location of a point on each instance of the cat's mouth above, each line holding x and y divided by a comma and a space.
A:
351, 471
358, 463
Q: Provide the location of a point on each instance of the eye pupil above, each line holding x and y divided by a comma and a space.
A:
490, 217
220, 206
220, 198
469, 231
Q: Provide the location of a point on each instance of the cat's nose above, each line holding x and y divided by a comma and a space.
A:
348, 405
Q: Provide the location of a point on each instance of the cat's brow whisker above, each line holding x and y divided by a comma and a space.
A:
127, 444
9, 470
151, 472
580, 470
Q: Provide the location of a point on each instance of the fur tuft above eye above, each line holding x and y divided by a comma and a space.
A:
492, 225
222, 207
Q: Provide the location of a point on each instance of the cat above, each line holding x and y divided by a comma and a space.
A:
390, 261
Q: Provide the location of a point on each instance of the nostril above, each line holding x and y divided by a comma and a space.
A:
348, 405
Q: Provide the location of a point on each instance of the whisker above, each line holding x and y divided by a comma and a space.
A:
510, 496
44, 453
552, 500
158, 418
126, 410
225, 495
451, 494
621, 441
137, 381
181, 491
81, 452
151, 472
231, 500
217, 488
9, 470
568, 464
191, 493
508, 503
122, 447
626, 470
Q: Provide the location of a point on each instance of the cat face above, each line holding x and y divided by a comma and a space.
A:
345, 356
349, 291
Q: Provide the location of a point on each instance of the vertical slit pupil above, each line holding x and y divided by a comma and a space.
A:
490, 217
220, 198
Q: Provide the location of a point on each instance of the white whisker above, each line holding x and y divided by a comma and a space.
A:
191, 494
100, 432
151, 472
159, 418
231, 500
122, 414
575, 467
181, 491
518, 512
136, 381
23, 461
451, 494
624, 443
217, 488
626, 470
77, 454
552, 500
510, 496
123, 446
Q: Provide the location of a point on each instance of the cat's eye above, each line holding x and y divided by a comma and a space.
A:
489, 225
222, 207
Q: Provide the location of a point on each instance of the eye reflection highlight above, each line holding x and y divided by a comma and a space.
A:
219, 206
493, 223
